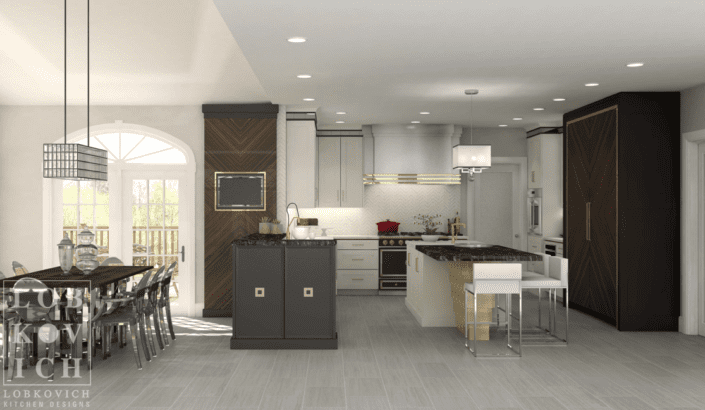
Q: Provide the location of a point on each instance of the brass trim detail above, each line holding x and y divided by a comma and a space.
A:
259, 292
414, 179
264, 193
614, 107
417, 264
308, 292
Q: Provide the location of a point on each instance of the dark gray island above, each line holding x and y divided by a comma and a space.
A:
283, 293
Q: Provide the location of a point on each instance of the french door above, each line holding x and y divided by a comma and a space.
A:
154, 228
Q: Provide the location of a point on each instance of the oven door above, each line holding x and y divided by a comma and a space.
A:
392, 262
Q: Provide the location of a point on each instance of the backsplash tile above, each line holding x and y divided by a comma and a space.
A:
399, 203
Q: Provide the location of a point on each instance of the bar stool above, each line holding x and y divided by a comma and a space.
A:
555, 278
494, 278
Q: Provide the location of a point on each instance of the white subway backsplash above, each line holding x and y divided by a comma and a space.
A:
398, 203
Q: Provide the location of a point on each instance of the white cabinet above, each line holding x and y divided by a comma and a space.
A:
301, 163
340, 162
357, 264
535, 246
545, 174
534, 158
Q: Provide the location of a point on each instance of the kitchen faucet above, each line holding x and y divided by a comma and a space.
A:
455, 231
296, 218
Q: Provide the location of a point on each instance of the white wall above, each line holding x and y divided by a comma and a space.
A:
506, 142
23, 130
693, 109
399, 203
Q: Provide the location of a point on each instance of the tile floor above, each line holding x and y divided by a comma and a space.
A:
386, 360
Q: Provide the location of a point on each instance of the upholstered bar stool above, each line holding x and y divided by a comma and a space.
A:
496, 279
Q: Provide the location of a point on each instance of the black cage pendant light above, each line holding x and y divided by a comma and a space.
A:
76, 161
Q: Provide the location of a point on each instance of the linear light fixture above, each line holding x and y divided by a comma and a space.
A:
411, 179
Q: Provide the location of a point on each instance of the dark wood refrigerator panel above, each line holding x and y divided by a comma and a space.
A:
591, 177
310, 292
258, 308
649, 296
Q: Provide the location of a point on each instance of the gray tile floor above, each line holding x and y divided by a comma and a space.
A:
386, 360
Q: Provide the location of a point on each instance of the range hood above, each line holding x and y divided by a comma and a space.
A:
412, 154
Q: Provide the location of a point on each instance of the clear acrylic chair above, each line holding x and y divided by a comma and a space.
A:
19, 269
164, 304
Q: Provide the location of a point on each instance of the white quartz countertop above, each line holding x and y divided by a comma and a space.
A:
553, 239
355, 236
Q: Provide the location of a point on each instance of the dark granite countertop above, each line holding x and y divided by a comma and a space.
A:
492, 253
258, 239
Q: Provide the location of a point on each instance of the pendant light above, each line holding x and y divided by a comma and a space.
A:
76, 161
472, 159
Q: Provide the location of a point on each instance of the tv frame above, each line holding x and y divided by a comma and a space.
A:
264, 192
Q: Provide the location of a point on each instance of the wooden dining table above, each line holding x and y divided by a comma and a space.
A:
101, 280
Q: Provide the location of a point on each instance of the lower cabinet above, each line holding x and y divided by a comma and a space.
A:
284, 297
357, 264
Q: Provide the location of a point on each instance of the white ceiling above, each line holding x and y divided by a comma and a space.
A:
381, 62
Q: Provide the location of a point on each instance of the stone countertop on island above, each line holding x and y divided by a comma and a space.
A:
258, 239
492, 253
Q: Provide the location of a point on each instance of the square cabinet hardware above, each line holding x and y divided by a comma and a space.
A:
308, 292
259, 292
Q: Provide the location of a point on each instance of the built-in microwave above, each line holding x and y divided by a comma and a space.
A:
535, 216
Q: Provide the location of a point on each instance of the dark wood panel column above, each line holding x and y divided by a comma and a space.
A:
238, 138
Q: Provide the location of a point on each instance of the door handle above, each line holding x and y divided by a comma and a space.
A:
587, 221
183, 253
308, 292
259, 292
408, 259
532, 176
417, 264
358, 259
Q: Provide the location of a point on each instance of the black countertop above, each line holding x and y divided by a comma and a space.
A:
258, 239
492, 253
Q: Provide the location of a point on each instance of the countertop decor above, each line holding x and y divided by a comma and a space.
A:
494, 253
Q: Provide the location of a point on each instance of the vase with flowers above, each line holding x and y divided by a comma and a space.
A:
430, 226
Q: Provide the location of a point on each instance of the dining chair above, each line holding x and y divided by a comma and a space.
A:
152, 309
494, 278
164, 305
121, 286
32, 307
113, 312
8, 317
19, 269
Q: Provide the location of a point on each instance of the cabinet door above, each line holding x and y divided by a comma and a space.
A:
329, 172
301, 163
258, 281
534, 154
591, 205
351, 172
310, 286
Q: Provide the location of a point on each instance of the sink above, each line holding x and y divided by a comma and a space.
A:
472, 244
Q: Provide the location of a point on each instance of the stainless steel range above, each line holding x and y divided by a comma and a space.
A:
392, 260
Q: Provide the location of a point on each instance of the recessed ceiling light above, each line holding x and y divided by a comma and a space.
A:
635, 64
538, 109
517, 119
424, 113
296, 40
340, 122
591, 85
559, 99
309, 99
304, 76
341, 112
502, 125
415, 122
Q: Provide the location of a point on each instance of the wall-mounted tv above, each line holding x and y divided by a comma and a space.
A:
240, 191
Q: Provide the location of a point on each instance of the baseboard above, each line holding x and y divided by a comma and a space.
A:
199, 309
680, 324
217, 313
357, 292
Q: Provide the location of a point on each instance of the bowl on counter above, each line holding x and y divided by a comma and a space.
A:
301, 232
430, 238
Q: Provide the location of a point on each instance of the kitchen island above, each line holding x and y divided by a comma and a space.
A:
283, 293
436, 277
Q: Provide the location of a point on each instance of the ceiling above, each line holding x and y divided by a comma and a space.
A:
380, 62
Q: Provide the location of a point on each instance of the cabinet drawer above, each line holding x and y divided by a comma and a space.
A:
358, 244
354, 259
357, 279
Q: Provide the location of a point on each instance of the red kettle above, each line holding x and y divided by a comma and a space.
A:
387, 226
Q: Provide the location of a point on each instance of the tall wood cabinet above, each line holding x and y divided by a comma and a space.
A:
340, 172
621, 196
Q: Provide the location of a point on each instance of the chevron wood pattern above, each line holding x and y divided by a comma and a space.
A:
233, 145
591, 174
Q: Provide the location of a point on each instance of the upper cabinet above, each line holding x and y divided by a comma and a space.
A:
340, 163
301, 163
545, 163
534, 154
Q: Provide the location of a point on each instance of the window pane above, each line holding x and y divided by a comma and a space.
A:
156, 192
172, 191
156, 261
139, 242
172, 242
73, 235
86, 212
128, 142
101, 241
156, 242
139, 192
101, 216
139, 217
101, 192
156, 216
147, 146
86, 192
171, 218
70, 192
70, 215
139, 261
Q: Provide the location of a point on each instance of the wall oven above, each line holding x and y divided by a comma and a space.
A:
535, 216
392, 263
